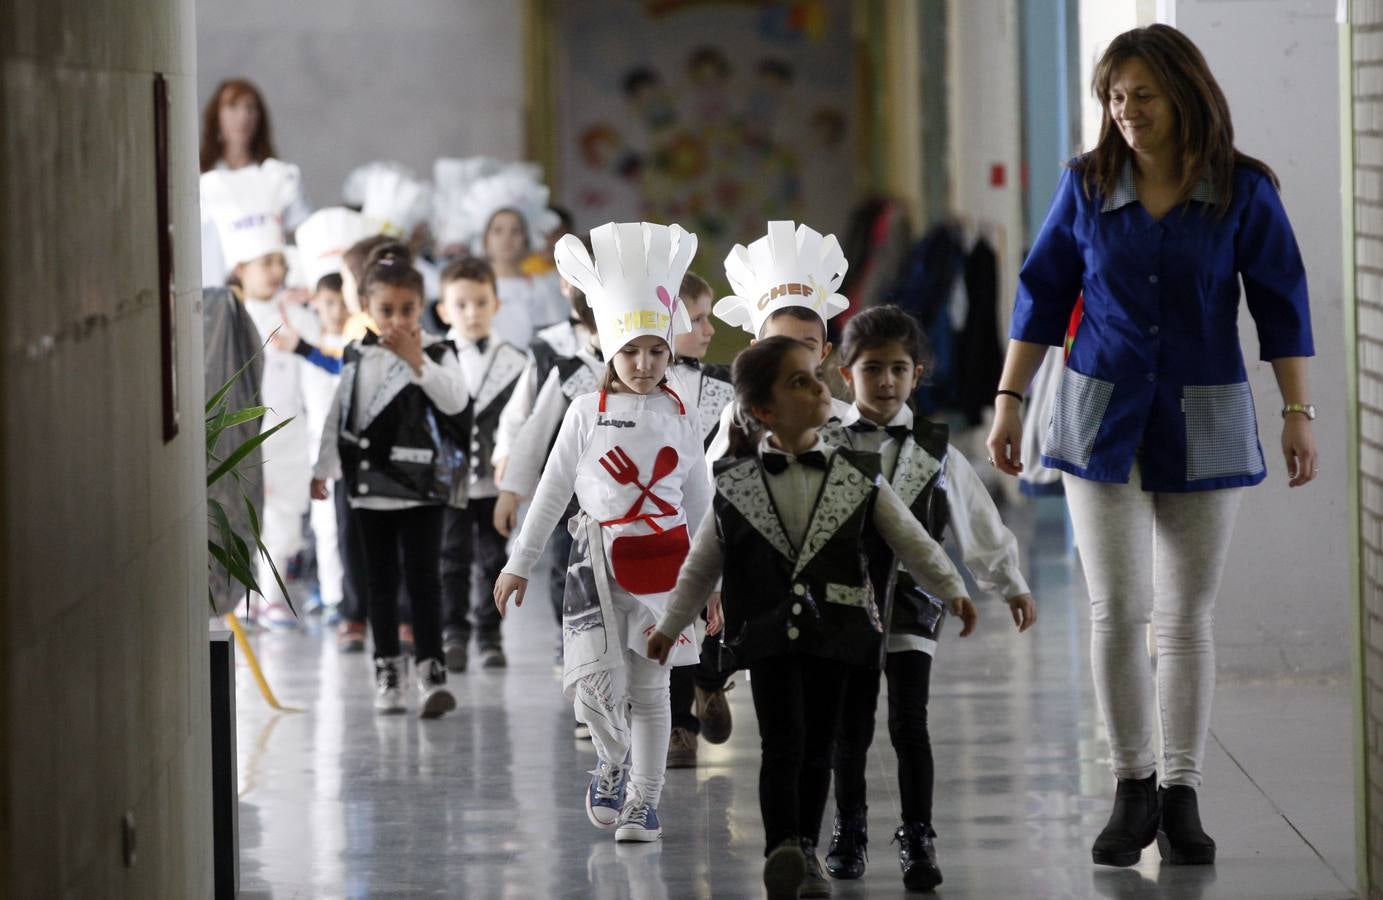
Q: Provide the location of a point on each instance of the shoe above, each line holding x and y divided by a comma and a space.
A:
846, 856
389, 672
454, 649
582, 731
1132, 825
277, 616
492, 658
331, 615
681, 749
605, 795
1180, 838
917, 856
784, 869
433, 697
405, 638
350, 637
814, 881
638, 822
714, 712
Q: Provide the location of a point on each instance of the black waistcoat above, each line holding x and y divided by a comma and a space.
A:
496, 387
816, 601
409, 450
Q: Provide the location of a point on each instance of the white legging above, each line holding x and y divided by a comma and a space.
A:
628, 709
1159, 557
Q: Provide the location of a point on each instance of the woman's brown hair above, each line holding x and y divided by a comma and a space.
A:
229, 91
1203, 129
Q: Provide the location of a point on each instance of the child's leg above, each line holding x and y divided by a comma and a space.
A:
379, 538
855, 735
601, 704
487, 561
457, 526
909, 685
681, 693
776, 685
326, 531
420, 541
355, 587
650, 723
823, 687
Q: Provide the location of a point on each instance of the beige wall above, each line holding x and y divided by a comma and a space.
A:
103, 647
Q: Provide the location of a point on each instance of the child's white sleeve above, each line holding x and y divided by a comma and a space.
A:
444, 383
922, 556
696, 491
699, 576
720, 444
989, 549
529, 453
328, 465
515, 412
554, 493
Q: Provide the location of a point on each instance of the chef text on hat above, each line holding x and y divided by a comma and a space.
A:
632, 282
786, 267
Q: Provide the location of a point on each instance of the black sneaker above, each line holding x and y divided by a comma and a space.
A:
454, 649
846, 856
492, 658
433, 697
815, 884
1180, 839
1132, 824
917, 856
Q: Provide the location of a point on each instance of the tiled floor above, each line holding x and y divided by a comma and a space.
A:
486, 803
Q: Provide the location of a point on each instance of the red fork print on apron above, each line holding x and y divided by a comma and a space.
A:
645, 563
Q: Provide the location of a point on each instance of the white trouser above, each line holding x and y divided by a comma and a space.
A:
628, 708
287, 480
328, 540
1153, 557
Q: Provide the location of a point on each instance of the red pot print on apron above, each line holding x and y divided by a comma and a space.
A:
646, 563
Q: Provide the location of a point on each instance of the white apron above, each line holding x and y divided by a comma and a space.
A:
642, 535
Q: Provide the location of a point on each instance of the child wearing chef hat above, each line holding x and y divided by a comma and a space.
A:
632, 453
246, 206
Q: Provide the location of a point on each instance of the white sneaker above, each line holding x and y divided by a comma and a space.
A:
433, 697
389, 675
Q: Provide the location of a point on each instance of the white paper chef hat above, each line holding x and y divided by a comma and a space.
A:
785, 267
514, 187
324, 236
632, 284
451, 178
390, 196
247, 205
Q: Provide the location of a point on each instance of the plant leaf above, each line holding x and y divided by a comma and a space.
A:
226, 420
243, 451
264, 552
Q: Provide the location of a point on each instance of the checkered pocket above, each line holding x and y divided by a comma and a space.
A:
1080, 407
1221, 431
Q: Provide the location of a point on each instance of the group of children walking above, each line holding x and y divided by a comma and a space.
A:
804, 531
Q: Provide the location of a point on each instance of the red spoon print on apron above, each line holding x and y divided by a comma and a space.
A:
646, 563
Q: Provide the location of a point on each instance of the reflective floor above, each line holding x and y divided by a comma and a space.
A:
487, 802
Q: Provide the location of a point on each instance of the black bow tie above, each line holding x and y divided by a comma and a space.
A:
370, 339
777, 463
481, 344
898, 432
691, 361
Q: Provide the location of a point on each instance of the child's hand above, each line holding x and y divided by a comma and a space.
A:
500, 468
659, 645
285, 337
1024, 611
506, 512
319, 489
406, 343
508, 584
963, 609
715, 616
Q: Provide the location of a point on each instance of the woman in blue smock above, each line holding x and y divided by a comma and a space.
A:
1154, 427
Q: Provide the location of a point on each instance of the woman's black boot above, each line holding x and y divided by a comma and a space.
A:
917, 856
1132, 826
846, 856
1181, 840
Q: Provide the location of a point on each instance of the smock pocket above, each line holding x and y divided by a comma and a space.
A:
1221, 431
1080, 406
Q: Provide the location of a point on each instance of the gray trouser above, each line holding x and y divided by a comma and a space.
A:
1153, 557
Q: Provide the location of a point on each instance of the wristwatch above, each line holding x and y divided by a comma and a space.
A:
1306, 409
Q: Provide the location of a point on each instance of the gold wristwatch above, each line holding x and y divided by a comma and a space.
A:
1306, 409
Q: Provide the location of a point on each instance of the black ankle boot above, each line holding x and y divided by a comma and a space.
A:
1132, 826
917, 856
846, 856
1180, 839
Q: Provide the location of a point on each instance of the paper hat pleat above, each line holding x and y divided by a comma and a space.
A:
390, 196
324, 236
788, 266
632, 282
247, 205
512, 188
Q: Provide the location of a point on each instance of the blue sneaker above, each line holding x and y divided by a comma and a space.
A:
638, 822
605, 796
